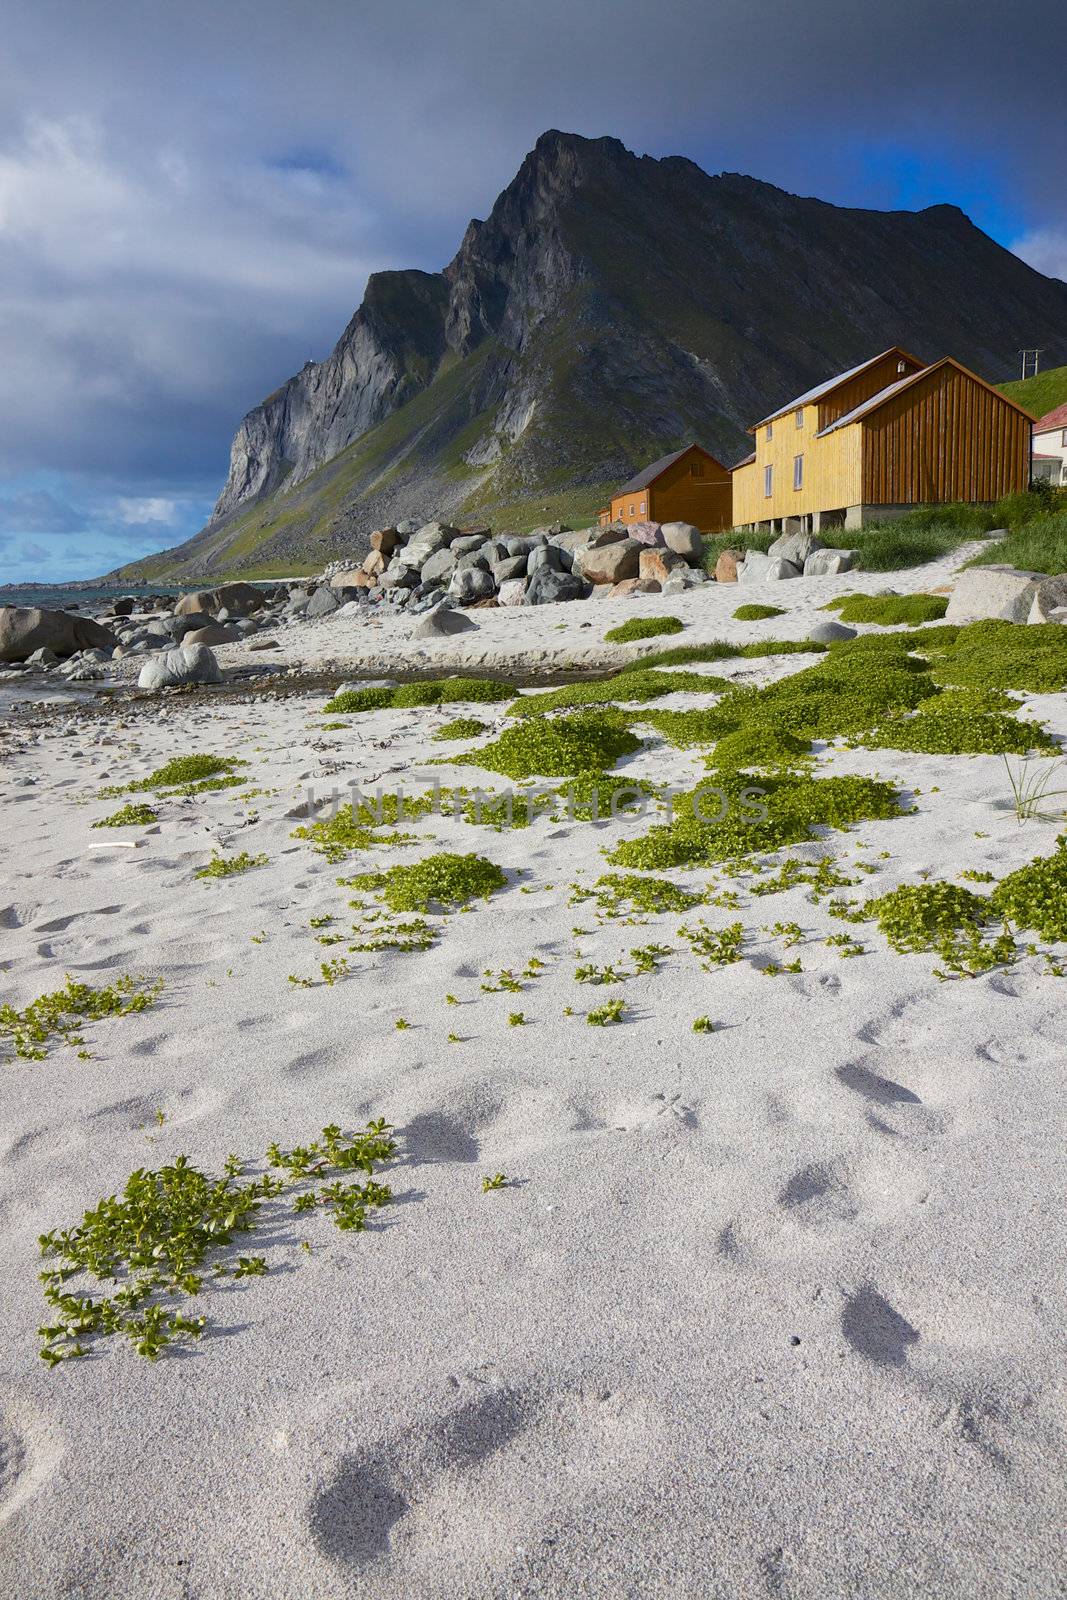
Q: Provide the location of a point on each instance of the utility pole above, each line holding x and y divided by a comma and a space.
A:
1030, 360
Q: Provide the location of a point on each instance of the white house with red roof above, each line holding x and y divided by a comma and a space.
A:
1050, 447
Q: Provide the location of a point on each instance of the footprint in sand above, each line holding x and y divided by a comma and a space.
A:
817, 1196
875, 1330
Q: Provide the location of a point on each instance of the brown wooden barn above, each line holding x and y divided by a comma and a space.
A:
688, 486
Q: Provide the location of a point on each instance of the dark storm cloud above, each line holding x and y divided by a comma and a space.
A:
191, 196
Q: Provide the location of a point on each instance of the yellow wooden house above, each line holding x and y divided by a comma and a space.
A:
878, 440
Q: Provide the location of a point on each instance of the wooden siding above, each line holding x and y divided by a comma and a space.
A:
944, 438
864, 386
831, 478
678, 495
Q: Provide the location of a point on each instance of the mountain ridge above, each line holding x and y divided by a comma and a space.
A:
609, 307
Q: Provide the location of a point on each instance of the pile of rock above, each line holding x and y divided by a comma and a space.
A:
794, 555
422, 566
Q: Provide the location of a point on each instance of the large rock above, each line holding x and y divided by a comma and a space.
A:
611, 534
189, 663
727, 565
24, 629
629, 586
440, 565
549, 555
1050, 600
827, 563
684, 540
374, 563
795, 547
548, 586
647, 533
237, 598
759, 568
468, 542
344, 579
215, 633
659, 564
1003, 593
512, 592
468, 584
440, 622
322, 602
683, 578
383, 541
610, 563
830, 632
511, 567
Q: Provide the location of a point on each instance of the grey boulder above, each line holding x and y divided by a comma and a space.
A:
759, 568
439, 565
1050, 600
795, 547
683, 539
440, 622
1001, 593
830, 632
24, 629
215, 633
510, 567
827, 563
471, 583
322, 602
547, 586
188, 663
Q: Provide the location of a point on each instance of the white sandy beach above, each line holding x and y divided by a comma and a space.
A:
775, 1310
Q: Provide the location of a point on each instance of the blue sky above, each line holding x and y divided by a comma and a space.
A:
192, 198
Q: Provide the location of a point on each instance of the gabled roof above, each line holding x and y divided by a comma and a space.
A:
878, 400
1056, 418
745, 462
650, 474
822, 389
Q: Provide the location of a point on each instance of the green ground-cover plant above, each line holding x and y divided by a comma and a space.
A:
703, 1025
170, 1229
129, 816
446, 880
889, 610
1035, 896
615, 890
62, 1013
685, 729
497, 1180
793, 806
230, 866
1005, 655
684, 655
551, 747
947, 730
603, 1016
755, 747
185, 775
432, 692
634, 685
714, 947
754, 612
821, 876
461, 728
944, 918
359, 824
642, 628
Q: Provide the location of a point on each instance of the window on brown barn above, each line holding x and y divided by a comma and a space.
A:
642, 508
696, 469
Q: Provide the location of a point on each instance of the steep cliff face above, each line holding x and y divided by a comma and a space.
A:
609, 308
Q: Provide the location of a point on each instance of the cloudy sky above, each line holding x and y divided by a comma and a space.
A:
192, 195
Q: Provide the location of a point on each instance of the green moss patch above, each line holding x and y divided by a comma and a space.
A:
230, 866
1005, 655
779, 810
185, 775
921, 916
61, 1013
443, 880
434, 692
642, 628
757, 613
551, 747
615, 892
759, 747
934, 730
889, 610
131, 816
359, 825
461, 728
1036, 895
632, 686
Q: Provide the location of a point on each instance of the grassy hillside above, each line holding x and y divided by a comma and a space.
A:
1041, 394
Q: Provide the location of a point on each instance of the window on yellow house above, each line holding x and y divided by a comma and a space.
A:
798, 472
799, 416
770, 431
768, 481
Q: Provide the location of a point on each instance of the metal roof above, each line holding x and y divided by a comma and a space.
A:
1056, 418
821, 389
879, 399
648, 474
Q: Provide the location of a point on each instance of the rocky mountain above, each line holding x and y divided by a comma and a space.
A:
611, 307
